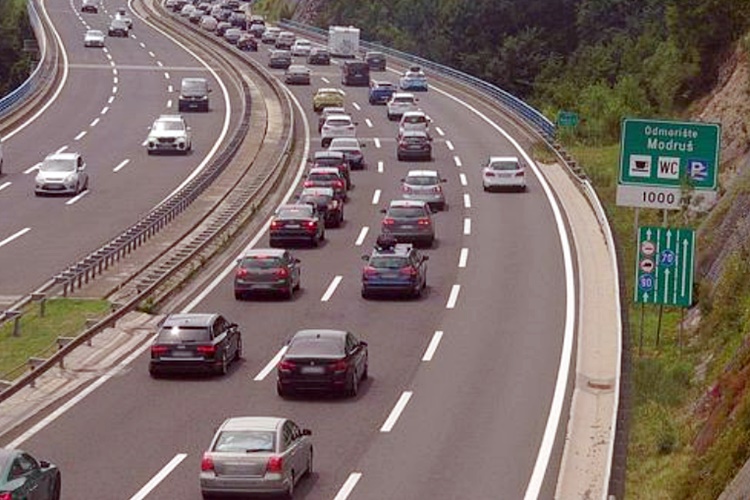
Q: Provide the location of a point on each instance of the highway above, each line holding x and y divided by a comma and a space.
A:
461, 381
109, 100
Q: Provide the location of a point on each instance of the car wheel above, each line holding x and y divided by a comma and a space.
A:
238, 295
238, 352
56, 489
224, 366
323, 235
309, 470
366, 372
290, 488
289, 292
417, 292
365, 294
353, 385
154, 373
484, 186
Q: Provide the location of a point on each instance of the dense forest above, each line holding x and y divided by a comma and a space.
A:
15, 64
601, 58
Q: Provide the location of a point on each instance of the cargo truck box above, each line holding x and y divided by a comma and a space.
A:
343, 41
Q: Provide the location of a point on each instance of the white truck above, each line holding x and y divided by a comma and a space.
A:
343, 41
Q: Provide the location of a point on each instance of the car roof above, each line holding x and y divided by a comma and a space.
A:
170, 118
401, 249
62, 156
330, 90
324, 170
252, 423
317, 191
378, 83
338, 116
503, 158
328, 154
422, 173
297, 67
407, 203
414, 132
319, 333
295, 206
404, 94
264, 252
415, 112
189, 319
345, 141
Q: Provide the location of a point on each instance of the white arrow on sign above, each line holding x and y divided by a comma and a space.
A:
665, 293
684, 264
669, 238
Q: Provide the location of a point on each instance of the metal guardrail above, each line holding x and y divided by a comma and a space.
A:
532, 116
41, 72
98, 261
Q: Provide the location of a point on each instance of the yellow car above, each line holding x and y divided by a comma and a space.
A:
328, 97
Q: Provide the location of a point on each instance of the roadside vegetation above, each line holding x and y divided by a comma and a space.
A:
15, 64
62, 318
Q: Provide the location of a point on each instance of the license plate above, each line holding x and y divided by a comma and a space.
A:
407, 226
293, 226
317, 370
182, 354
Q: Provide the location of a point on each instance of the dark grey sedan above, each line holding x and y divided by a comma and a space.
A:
23, 476
256, 455
297, 74
296, 223
409, 221
267, 270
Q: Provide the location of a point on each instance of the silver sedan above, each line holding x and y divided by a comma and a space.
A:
252, 455
93, 38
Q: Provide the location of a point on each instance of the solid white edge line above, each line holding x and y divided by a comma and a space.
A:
159, 477
331, 288
566, 353
462, 178
77, 197
271, 365
121, 165
77, 398
376, 197
377, 142
463, 257
14, 236
467, 200
361, 237
453, 297
380, 167
348, 486
5, 185
300, 172
390, 422
63, 80
432, 347
467, 226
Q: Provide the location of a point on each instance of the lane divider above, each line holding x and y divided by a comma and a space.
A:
462, 178
271, 365
467, 226
381, 167
390, 422
159, 477
121, 165
467, 200
432, 347
14, 236
376, 197
453, 297
457, 161
4, 185
331, 288
348, 486
361, 237
463, 257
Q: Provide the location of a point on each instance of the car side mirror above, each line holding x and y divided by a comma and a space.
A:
382, 210
297, 261
363, 343
239, 261
306, 432
425, 257
403, 180
44, 464
365, 258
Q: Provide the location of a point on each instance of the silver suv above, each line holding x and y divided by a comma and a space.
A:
169, 133
63, 173
424, 185
409, 221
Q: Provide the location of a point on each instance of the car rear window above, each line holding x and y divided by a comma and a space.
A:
315, 347
337, 122
179, 334
421, 180
59, 165
315, 199
415, 119
403, 100
323, 177
245, 441
302, 211
406, 212
388, 262
328, 162
504, 165
261, 262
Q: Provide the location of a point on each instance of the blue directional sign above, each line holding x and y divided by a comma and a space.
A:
664, 267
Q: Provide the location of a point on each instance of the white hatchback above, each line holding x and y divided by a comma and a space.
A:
337, 126
504, 172
301, 47
400, 103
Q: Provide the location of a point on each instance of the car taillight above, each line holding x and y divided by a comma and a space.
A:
206, 349
281, 272
519, 173
311, 224
338, 184
388, 221
409, 271
207, 464
370, 271
241, 272
423, 222
487, 173
286, 366
156, 350
276, 224
406, 189
438, 189
6, 495
339, 366
275, 464
308, 183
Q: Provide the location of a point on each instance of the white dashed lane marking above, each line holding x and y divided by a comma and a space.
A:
121, 165
271, 365
467, 200
32, 168
380, 167
432, 347
463, 257
390, 422
80, 136
356, 106
457, 161
368, 122
439, 131
453, 297
376, 197
104, 110
4, 185
361, 237
331, 289
467, 226
462, 178
450, 145
14, 236
94, 123
348, 486
377, 142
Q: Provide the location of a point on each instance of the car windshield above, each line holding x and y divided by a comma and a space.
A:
315, 347
295, 212
245, 441
261, 262
504, 165
403, 100
328, 162
421, 180
58, 165
178, 334
415, 119
406, 212
388, 262
167, 125
193, 86
317, 199
344, 142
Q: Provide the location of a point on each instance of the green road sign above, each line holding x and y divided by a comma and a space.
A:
660, 159
567, 119
664, 268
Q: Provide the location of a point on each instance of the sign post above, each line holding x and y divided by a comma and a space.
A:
662, 161
664, 267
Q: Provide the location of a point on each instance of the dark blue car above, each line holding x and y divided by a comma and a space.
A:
394, 268
381, 92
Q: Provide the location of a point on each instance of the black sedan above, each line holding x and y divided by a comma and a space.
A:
298, 222
247, 43
195, 342
319, 55
322, 360
267, 270
328, 206
23, 476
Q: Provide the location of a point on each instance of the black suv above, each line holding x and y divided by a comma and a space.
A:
195, 342
394, 268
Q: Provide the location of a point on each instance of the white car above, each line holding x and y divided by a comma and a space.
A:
61, 173
122, 15
504, 172
337, 126
301, 47
400, 103
169, 133
414, 120
93, 38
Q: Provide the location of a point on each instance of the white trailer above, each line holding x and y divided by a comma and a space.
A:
343, 41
